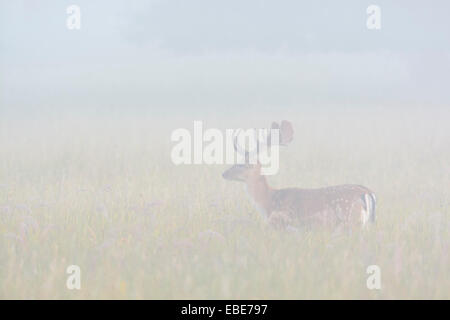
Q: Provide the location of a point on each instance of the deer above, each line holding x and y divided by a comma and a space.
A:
341, 205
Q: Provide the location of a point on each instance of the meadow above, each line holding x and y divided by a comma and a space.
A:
101, 192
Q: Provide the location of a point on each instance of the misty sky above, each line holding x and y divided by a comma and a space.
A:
207, 54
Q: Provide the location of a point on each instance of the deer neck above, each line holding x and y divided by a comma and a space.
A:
261, 194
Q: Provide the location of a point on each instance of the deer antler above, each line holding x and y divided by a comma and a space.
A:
286, 133
243, 151
285, 136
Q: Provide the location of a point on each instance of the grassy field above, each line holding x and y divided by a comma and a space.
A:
103, 194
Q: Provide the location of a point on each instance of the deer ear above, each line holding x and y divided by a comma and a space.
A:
286, 132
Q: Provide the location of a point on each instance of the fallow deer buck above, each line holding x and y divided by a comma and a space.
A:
341, 205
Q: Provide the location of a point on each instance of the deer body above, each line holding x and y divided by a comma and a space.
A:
330, 206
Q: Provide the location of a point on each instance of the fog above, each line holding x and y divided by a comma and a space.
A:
220, 56
87, 177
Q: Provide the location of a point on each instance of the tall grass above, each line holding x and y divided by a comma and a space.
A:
103, 194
